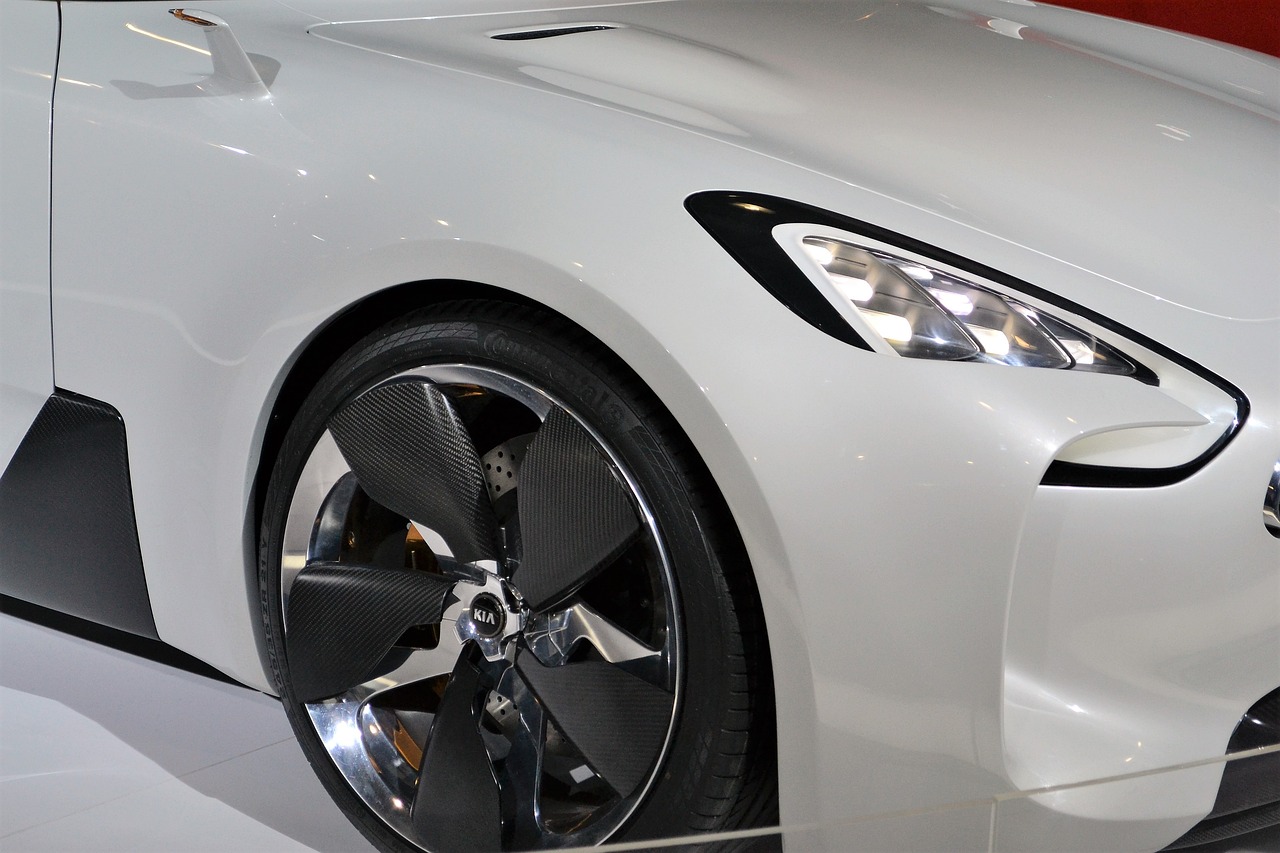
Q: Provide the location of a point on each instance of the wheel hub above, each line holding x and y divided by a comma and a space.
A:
490, 614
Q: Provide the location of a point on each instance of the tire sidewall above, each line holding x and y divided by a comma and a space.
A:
604, 396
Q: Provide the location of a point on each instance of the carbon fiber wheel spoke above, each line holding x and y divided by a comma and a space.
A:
616, 720
457, 805
575, 514
344, 619
412, 454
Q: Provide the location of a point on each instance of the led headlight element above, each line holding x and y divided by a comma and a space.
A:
900, 311
922, 312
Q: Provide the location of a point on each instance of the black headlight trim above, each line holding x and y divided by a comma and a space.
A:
743, 222
743, 226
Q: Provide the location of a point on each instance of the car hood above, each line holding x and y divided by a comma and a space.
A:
1101, 144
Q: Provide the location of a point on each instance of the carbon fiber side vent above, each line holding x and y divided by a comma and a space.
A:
551, 32
66, 490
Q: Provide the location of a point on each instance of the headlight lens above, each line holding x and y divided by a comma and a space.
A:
922, 312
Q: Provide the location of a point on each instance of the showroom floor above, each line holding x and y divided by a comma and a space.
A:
112, 744
103, 750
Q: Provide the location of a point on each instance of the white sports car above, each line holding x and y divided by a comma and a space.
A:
616, 422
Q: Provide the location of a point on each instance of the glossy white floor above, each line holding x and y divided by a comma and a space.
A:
105, 750
101, 750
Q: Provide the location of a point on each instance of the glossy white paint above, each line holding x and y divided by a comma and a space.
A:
28, 50
936, 616
911, 76
1122, 815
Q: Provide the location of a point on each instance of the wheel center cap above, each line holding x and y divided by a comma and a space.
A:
488, 616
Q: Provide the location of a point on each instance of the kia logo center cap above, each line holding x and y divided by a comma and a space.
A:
488, 616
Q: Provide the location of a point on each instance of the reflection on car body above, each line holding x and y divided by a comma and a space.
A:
609, 422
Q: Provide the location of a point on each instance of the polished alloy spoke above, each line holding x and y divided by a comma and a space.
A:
522, 769
419, 665
457, 805
553, 637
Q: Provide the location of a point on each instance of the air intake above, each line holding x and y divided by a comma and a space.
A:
551, 32
1249, 795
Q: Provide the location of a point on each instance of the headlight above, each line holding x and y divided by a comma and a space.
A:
923, 312
887, 293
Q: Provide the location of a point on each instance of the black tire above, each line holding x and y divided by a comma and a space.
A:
694, 705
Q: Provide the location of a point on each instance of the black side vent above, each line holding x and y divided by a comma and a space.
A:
1248, 800
68, 537
551, 32
1260, 725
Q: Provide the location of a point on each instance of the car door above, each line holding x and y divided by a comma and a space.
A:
28, 61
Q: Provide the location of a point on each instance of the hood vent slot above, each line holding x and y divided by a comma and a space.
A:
551, 32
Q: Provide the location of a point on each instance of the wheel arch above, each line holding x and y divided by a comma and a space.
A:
727, 467
329, 354
347, 326
327, 344
316, 354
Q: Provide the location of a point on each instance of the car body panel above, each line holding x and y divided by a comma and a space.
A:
924, 608
1087, 817
911, 72
28, 51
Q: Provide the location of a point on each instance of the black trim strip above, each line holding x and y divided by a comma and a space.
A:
528, 35
70, 540
743, 223
143, 647
1061, 473
1260, 725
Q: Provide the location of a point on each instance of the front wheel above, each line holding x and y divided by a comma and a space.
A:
495, 599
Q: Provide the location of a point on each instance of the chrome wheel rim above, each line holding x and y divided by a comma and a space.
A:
564, 698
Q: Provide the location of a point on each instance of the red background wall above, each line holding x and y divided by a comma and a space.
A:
1254, 24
